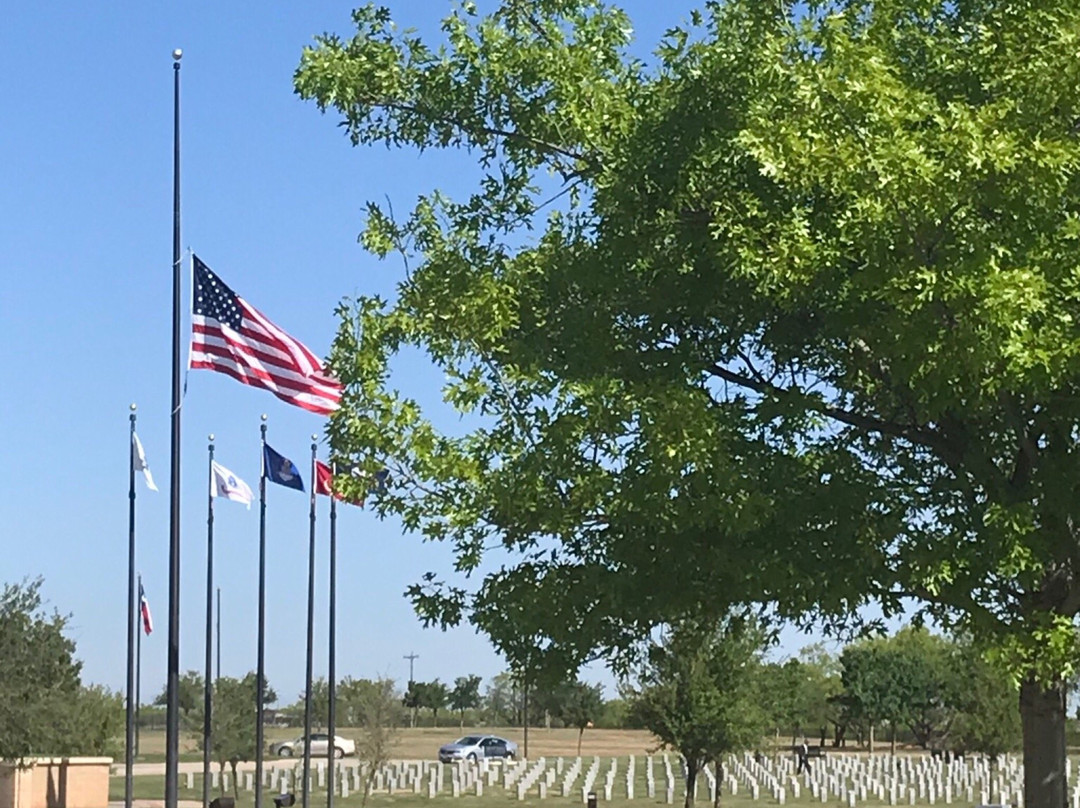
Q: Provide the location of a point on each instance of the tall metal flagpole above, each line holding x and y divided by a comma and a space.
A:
138, 670
129, 746
207, 680
331, 719
260, 669
172, 687
218, 615
306, 790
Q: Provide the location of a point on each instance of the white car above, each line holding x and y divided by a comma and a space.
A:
320, 746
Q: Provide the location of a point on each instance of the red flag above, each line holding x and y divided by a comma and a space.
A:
324, 484
324, 479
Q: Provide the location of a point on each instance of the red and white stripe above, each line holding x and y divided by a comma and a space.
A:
144, 610
262, 355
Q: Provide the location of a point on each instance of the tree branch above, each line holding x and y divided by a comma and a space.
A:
506, 134
921, 436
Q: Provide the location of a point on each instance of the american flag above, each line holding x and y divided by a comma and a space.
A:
229, 335
144, 610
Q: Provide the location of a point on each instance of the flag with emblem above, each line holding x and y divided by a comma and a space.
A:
231, 336
279, 469
225, 484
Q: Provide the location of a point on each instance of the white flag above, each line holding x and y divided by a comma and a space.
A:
228, 485
139, 462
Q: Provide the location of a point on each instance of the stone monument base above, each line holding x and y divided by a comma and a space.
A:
70, 782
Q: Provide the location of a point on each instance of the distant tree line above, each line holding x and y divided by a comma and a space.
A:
917, 687
939, 693
914, 687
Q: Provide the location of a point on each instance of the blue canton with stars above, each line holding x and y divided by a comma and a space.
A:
213, 298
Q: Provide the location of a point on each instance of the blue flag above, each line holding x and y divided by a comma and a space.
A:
279, 469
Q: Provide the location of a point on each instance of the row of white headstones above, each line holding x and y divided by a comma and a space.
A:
845, 778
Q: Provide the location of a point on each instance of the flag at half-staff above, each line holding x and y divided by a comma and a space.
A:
231, 336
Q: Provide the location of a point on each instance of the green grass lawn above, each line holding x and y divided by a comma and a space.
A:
159, 757
153, 787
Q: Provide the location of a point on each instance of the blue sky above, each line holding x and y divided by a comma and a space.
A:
272, 196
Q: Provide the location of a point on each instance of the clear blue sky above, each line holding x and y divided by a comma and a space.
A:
272, 198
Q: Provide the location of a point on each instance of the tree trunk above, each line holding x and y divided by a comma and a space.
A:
462, 720
691, 782
892, 739
870, 745
235, 784
1042, 717
580, 732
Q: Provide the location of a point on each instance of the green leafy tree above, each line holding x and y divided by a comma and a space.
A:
987, 720
797, 693
352, 697
616, 714
781, 683
414, 699
580, 707
501, 700
189, 694
874, 677
787, 314
232, 724
931, 682
96, 721
378, 716
434, 696
819, 683
465, 695
320, 702
44, 708
698, 694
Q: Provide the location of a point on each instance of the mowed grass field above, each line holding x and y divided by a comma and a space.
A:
422, 743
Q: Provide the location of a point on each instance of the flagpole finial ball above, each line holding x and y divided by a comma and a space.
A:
211, 437
133, 406
263, 416
177, 55
314, 436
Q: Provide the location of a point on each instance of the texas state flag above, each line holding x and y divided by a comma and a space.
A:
144, 610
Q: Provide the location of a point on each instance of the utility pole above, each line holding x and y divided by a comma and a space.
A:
412, 657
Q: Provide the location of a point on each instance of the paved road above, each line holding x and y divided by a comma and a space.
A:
195, 766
